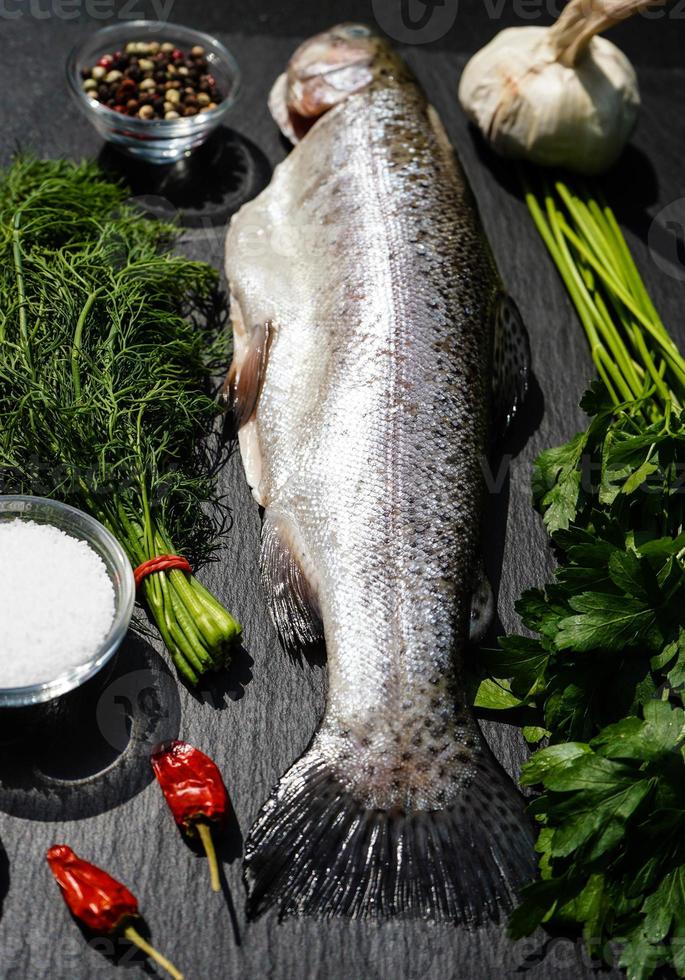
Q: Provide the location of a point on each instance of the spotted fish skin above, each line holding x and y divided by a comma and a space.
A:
367, 259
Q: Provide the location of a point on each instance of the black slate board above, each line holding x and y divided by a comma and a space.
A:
83, 776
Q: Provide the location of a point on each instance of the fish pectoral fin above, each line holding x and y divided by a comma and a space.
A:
292, 598
278, 106
482, 608
511, 362
245, 380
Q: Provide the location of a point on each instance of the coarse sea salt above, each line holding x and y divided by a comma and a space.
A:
56, 603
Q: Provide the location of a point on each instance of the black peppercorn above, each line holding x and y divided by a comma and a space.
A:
153, 80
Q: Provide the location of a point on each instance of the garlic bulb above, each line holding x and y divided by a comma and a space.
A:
558, 96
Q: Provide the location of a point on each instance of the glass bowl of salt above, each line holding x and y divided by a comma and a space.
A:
66, 599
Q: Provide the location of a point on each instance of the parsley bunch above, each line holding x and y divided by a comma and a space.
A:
612, 842
601, 682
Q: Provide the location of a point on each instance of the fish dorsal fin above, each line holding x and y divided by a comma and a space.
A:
244, 383
511, 364
292, 599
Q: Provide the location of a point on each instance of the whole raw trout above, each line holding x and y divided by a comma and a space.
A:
365, 307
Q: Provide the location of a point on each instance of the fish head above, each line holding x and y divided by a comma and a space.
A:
326, 70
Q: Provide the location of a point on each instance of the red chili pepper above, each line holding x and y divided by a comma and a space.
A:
196, 794
101, 902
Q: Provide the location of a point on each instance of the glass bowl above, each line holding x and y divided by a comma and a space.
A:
154, 140
85, 528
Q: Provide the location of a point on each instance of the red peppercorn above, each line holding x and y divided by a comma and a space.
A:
195, 792
106, 61
177, 55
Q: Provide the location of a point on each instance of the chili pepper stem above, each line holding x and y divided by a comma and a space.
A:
205, 832
134, 937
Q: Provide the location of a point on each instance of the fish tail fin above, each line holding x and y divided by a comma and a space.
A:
315, 850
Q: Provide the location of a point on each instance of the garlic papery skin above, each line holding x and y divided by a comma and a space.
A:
529, 104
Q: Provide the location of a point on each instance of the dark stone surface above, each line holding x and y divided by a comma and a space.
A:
653, 37
80, 775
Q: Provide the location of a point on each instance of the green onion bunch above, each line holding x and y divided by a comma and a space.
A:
634, 355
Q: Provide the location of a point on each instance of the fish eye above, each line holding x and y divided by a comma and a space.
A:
358, 31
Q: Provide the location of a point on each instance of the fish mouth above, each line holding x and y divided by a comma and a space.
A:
323, 72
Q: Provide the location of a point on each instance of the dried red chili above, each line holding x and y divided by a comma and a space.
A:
195, 792
99, 901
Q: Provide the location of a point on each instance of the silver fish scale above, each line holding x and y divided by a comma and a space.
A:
367, 254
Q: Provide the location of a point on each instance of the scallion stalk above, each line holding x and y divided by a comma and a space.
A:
632, 350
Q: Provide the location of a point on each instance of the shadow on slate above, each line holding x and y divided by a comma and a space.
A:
89, 751
315, 655
493, 537
117, 950
496, 504
229, 846
631, 187
204, 189
231, 683
228, 841
4, 875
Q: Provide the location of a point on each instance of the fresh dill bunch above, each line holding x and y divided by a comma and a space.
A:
108, 346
